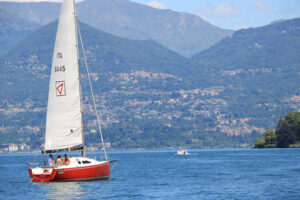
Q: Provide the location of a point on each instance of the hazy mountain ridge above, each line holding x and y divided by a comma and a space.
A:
13, 29
181, 32
273, 45
37, 12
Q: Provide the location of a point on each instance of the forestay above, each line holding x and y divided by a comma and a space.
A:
64, 117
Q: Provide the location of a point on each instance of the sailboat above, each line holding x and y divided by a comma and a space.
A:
64, 122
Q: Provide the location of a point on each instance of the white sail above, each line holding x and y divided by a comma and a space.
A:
64, 117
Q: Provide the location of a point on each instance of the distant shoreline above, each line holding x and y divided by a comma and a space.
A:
160, 149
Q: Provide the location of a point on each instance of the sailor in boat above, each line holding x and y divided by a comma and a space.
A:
59, 160
66, 160
51, 161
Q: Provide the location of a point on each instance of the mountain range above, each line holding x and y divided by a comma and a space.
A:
150, 96
184, 33
256, 47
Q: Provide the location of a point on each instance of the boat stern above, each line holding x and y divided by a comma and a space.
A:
42, 174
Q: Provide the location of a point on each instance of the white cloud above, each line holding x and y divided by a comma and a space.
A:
222, 10
157, 5
260, 5
239, 27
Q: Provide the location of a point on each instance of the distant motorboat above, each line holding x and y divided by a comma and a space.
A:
182, 152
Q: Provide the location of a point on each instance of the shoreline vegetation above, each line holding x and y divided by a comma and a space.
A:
286, 135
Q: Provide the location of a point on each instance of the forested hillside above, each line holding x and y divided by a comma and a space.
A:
151, 97
261, 65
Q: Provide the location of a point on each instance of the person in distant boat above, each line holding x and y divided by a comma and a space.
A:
50, 161
59, 160
66, 160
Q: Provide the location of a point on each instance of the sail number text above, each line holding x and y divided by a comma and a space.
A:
60, 68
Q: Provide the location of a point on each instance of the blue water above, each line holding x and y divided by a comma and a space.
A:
205, 174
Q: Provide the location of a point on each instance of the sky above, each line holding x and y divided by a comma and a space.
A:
233, 14
229, 14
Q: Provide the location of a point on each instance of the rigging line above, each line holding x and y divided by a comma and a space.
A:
93, 97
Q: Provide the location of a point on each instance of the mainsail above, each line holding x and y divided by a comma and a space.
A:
64, 113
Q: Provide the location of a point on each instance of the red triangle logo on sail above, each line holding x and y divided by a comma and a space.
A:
60, 88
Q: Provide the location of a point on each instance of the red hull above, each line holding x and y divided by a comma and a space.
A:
42, 177
99, 171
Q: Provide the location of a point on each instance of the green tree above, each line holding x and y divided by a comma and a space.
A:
260, 143
270, 137
285, 135
293, 119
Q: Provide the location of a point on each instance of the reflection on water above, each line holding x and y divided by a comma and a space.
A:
63, 190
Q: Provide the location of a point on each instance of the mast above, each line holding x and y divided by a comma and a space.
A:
83, 153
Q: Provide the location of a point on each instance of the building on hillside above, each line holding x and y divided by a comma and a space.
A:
13, 147
24, 147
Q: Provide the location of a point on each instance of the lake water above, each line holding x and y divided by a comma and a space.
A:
205, 174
